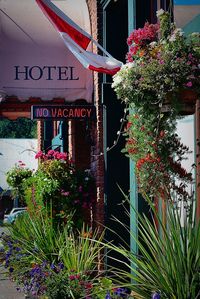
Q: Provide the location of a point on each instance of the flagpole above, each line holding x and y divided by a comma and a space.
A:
101, 48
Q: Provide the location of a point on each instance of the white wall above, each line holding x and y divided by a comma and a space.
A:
185, 129
14, 150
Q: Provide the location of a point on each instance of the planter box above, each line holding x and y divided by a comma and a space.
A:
186, 100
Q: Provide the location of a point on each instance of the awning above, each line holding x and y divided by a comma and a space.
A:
34, 61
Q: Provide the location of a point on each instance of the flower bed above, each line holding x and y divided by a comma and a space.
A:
57, 274
56, 183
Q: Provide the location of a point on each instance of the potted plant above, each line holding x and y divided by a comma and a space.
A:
161, 64
16, 177
59, 184
162, 69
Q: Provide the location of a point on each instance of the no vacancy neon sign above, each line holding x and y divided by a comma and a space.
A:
63, 112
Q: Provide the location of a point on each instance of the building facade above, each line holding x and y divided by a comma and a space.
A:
41, 71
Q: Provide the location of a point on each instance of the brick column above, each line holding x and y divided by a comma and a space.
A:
40, 134
97, 160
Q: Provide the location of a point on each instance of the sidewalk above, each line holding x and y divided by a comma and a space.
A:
8, 288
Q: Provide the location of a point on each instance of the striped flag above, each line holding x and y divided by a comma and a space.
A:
77, 41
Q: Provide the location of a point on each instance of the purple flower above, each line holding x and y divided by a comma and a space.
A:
122, 292
108, 296
11, 269
17, 249
61, 266
156, 296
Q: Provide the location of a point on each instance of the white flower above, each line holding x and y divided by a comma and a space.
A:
153, 44
117, 79
195, 34
178, 31
130, 64
172, 38
160, 12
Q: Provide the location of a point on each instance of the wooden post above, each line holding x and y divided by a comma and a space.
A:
198, 159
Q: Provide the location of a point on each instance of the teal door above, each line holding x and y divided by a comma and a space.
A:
60, 141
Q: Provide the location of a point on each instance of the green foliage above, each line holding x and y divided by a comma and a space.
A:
157, 169
169, 260
104, 286
57, 286
20, 128
165, 24
81, 252
38, 236
68, 285
57, 185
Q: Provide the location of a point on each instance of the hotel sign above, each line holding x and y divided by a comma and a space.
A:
34, 60
64, 112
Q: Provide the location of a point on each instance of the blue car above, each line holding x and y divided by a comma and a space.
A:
11, 217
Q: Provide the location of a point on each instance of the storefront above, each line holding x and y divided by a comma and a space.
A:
38, 70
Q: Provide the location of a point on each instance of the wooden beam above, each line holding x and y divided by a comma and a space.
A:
12, 108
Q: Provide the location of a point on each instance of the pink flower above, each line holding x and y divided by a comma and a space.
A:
188, 84
72, 277
145, 35
65, 193
60, 156
63, 156
129, 57
134, 50
190, 56
50, 152
39, 155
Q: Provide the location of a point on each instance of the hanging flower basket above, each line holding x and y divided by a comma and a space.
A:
161, 75
186, 100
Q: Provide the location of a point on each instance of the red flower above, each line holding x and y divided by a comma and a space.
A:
50, 152
72, 277
39, 155
88, 285
144, 35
